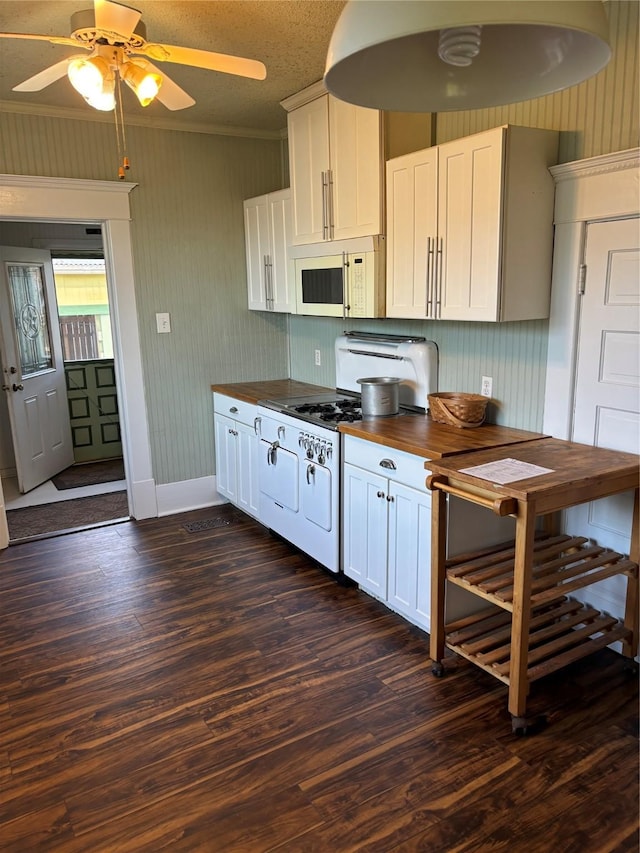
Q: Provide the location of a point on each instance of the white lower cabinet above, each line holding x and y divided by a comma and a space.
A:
236, 445
386, 530
387, 527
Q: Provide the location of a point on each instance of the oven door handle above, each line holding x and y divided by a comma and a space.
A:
271, 452
311, 472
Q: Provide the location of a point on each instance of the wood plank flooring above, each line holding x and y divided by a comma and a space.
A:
218, 691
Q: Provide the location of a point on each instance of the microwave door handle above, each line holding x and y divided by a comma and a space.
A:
346, 307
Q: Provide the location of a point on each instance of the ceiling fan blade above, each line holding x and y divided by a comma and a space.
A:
206, 59
43, 78
116, 18
170, 94
51, 39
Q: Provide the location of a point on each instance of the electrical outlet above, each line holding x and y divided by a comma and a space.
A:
318, 358
163, 323
487, 386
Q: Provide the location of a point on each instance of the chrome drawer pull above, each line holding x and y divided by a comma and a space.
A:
388, 463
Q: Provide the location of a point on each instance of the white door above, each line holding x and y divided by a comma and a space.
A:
256, 233
309, 161
365, 529
607, 389
33, 369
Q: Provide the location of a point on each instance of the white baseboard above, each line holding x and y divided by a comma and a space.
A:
186, 495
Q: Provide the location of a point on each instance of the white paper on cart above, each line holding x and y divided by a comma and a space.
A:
506, 471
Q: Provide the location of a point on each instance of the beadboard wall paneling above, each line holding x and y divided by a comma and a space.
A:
596, 117
188, 246
513, 354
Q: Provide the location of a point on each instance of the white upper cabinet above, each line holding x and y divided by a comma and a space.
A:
336, 165
267, 230
470, 228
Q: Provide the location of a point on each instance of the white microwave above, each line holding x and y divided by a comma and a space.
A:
349, 282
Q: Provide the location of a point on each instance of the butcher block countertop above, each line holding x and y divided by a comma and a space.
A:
413, 433
274, 389
421, 435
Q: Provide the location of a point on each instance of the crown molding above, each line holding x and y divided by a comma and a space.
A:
78, 184
315, 90
71, 114
600, 165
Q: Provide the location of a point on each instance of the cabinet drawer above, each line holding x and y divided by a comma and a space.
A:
234, 408
406, 468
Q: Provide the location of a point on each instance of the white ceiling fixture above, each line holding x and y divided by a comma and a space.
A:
440, 55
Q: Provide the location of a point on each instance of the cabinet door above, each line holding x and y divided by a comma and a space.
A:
412, 226
410, 553
308, 128
247, 469
256, 235
356, 170
470, 193
365, 529
280, 237
226, 464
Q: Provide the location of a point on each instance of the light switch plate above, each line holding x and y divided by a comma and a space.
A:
163, 323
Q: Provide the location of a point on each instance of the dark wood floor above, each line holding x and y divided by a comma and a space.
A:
217, 691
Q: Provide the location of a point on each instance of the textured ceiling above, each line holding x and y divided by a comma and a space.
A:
289, 36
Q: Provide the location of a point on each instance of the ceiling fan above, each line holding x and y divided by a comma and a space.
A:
115, 36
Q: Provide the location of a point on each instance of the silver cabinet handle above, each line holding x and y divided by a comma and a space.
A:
257, 425
233, 432
234, 410
380, 494
19, 387
390, 498
429, 277
388, 463
325, 196
439, 265
330, 203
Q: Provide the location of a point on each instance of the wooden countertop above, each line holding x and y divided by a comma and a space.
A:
274, 389
421, 435
579, 472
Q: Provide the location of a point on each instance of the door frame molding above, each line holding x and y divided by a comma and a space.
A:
105, 203
598, 188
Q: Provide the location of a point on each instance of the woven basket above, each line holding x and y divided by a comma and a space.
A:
458, 409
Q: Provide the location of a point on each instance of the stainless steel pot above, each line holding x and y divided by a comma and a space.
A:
379, 396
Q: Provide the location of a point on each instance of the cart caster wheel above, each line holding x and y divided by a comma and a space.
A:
630, 666
522, 726
437, 669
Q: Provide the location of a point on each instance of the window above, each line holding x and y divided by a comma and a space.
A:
83, 308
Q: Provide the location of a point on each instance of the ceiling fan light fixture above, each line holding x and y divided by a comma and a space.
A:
87, 74
144, 82
440, 55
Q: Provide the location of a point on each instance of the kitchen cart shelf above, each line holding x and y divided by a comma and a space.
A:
531, 627
560, 564
559, 634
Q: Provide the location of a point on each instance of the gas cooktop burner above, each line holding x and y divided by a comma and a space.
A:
331, 412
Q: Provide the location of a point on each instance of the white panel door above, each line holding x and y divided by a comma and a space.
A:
256, 235
470, 183
412, 225
247, 465
226, 457
607, 390
315, 486
356, 169
365, 529
283, 296
33, 369
308, 159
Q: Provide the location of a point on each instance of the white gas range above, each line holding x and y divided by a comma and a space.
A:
299, 449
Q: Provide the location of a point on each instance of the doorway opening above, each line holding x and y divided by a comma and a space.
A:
93, 490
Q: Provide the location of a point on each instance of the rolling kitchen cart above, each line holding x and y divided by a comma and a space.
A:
530, 628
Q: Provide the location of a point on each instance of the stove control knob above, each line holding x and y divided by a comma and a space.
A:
322, 453
310, 451
329, 450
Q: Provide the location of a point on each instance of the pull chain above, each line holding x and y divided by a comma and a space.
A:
120, 132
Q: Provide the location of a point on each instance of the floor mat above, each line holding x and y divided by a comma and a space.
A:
89, 474
66, 515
